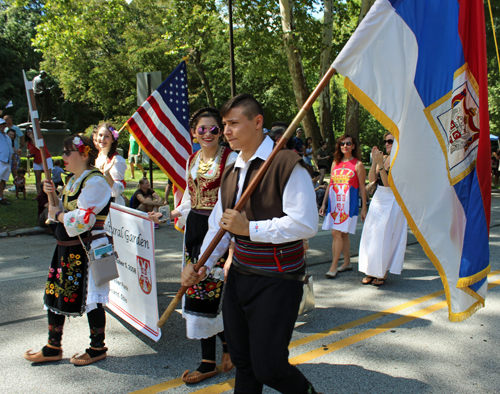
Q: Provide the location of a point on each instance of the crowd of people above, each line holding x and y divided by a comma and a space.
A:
255, 319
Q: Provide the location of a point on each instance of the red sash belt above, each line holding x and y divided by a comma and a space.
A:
277, 258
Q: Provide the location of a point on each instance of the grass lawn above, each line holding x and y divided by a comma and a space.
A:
20, 214
23, 213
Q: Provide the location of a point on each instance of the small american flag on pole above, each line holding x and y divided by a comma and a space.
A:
161, 128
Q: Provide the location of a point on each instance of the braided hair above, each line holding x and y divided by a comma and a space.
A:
206, 112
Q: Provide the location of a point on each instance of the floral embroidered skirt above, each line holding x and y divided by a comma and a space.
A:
203, 299
66, 287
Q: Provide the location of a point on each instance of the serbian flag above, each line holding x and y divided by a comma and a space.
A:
419, 66
161, 127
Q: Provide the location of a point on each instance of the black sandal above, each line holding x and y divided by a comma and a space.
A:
368, 279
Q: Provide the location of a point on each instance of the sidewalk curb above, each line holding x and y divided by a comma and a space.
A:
23, 232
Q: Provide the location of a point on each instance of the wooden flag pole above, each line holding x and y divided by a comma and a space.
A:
251, 187
37, 135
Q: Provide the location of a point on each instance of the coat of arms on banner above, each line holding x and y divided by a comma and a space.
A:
455, 120
144, 274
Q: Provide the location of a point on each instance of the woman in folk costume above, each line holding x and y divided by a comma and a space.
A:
383, 241
202, 303
341, 203
111, 164
70, 289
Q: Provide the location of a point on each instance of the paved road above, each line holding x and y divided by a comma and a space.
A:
360, 339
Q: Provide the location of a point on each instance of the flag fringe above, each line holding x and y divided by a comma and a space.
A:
458, 317
470, 280
367, 102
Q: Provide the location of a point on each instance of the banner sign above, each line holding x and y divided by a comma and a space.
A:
133, 295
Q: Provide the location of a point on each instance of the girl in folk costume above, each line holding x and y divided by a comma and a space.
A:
70, 289
383, 241
201, 305
111, 164
341, 203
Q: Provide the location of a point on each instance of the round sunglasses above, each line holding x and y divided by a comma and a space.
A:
347, 143
213, 130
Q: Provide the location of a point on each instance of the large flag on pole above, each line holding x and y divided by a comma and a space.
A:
419, 66
161, 128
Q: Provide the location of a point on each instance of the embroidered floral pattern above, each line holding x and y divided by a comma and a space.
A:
66, 284
55, 335
208, 289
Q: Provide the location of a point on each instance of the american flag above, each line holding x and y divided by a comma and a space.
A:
161, 127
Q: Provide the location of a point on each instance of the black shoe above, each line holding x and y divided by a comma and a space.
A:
4, 202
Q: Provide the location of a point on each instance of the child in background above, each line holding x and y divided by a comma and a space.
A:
57, 171
20, 183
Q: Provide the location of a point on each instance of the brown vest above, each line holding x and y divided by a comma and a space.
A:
266, 202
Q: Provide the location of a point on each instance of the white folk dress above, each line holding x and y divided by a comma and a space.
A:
383, 240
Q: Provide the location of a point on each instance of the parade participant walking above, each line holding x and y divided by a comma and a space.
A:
37, 158
201, 305
111, 164
383, 241
263, 291
322, 157
70, 289
134, 156
341, 203
6, 153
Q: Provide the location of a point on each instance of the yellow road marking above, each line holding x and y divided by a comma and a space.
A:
222, 387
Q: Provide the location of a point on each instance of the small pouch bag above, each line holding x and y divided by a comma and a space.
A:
104, 268
307, 303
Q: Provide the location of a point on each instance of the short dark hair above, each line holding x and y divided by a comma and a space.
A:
279, 123
21, 171
315, 174
251, 107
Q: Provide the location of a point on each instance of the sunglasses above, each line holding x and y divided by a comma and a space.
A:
213, 130
67, 152
389, 141
347, 143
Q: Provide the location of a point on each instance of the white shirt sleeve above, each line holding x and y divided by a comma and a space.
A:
92, 199
213, 228
185, 206
299, 205
117, 172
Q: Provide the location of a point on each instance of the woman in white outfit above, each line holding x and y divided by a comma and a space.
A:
383, 241
111, 164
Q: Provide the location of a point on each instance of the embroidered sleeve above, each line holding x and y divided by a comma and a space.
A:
93, 198
117, 172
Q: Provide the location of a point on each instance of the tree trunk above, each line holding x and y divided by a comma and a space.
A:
196, 55
299, 82
325, 113
352, 106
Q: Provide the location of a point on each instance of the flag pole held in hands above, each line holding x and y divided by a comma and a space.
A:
251, 187
38, 137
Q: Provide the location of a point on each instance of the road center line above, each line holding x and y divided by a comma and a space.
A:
229, 384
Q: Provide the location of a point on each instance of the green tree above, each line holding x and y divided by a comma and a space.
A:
17, 25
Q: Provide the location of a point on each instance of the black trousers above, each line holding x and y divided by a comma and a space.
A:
259, 316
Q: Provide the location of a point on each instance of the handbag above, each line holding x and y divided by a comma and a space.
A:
307, 303
371, 187
103, 269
